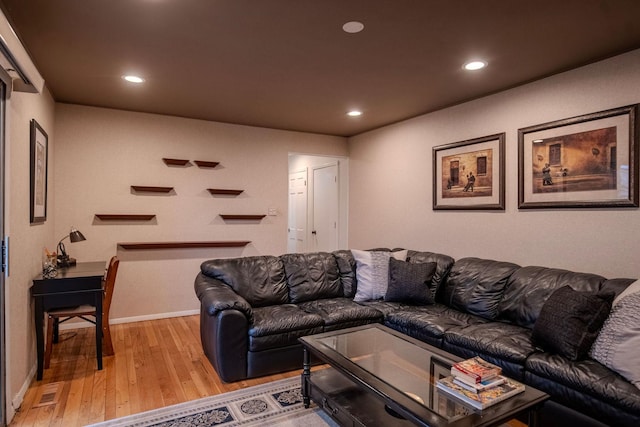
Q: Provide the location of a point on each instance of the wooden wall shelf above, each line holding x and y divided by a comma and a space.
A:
221, 191
249, 217
182, 245
206, 164
175, 162
145, 188
126, 217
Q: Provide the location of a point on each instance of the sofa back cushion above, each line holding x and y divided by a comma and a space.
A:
260, 280
347, 270
476, 285
312, 276
530, 287
443, 266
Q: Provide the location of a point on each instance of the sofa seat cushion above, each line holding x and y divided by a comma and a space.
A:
429, 323
340, 313
281, 326
585, 385
388, 307
503, 344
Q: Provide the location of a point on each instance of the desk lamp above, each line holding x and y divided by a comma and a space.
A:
63, 258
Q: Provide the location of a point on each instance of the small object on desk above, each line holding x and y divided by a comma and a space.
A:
64, 260
481, 399
49, 264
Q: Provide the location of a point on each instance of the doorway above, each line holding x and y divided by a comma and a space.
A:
318, 203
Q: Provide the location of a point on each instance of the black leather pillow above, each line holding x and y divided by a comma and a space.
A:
410, 282
569, 321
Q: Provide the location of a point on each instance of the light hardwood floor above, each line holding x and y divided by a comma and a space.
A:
157, 363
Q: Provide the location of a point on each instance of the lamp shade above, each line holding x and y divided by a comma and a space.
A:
76, 236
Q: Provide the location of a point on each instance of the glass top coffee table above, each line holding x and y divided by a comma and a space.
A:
378, 376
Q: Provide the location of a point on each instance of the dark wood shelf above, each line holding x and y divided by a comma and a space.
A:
249, 217
206, 164
175, 162
224, 192
145, 188
126, 217
182, 245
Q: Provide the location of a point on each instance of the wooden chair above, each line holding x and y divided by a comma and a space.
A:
55, 317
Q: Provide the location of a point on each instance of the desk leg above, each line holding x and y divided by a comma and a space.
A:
39, 323
99, 329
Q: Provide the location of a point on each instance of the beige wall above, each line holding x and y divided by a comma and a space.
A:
391, 180
26, 240
101, 152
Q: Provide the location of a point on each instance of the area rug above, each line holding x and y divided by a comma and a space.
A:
277, 403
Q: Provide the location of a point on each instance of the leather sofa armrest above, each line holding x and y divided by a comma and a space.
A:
216, 297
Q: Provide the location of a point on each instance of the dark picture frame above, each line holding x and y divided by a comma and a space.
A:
588, 161
469, 175
39, 170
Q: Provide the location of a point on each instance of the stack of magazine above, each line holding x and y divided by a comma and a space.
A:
479, 383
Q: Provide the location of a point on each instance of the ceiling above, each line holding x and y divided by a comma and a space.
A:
287, 64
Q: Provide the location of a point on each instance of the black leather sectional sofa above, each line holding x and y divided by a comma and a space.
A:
254, 309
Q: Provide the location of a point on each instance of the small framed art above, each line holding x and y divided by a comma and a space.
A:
588, 161
469, 174
39, 166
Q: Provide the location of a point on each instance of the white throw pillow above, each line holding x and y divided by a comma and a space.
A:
372, 272
619, 339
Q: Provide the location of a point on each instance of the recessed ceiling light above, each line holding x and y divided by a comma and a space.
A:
354, 113
475, 65
353, 27
133, 79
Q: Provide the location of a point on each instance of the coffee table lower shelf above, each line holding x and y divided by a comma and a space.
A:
346, 403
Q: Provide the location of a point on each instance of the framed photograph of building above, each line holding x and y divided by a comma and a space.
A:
469, 174
588, 161
39, 165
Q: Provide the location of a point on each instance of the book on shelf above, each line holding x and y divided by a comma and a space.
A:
482, 385
480, 399
475, 370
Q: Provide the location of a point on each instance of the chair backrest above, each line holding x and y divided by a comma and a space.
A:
109, 284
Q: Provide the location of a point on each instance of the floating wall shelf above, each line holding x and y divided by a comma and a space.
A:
206, 164
125, 217
250, 217
144, 188
182, 245
175, 162
224, 192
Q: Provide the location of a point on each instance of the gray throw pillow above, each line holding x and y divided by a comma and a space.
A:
569, 322
619, 340
409, 283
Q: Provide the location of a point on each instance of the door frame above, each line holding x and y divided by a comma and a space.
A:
5, 90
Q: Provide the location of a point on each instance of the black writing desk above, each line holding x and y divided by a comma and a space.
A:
72, 286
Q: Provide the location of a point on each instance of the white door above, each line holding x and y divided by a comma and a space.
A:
297, 228
325, 208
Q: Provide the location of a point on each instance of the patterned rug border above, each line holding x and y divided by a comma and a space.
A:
181, 410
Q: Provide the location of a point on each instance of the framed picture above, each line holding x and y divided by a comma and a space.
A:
39, 165
469, 174
581, 162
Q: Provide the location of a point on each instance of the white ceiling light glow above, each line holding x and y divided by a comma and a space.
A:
353, 27
354, 113
133, 79
475, 65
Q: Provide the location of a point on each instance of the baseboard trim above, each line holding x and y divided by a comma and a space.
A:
17, 400
132, 319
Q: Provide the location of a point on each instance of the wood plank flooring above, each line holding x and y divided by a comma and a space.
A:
157, 363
